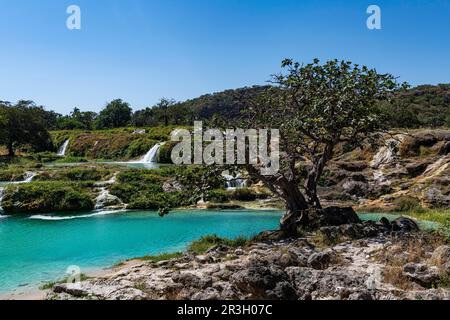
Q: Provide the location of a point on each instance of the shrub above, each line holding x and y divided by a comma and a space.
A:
218, 196
244, 194
152, 201
12, 175
207, 242
45, 156
47, 197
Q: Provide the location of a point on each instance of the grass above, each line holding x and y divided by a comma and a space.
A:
161, 257
441, 216
207, 242
411, 248
49, 285
323, 241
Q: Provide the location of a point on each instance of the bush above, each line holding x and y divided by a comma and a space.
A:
207, 242
12, 175
75, 174
45, 156
46, 197
152, 202
218, 196
244, 194
156, 201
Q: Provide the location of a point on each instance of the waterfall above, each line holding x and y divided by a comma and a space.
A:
233, 183
152, 155
62, 150
105, 199
29, 176
388, 153
2, 190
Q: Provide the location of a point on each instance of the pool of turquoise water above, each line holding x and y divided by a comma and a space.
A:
37, 249
40, 248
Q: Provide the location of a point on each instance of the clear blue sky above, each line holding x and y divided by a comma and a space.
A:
141, 50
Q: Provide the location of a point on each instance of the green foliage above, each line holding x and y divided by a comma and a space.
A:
71, 159
422, 106
142, 189
45, 197
12, 174
165, 152
75, 174
217, 196
112, 144
22, 126
45, 156
207, 242
243, 194
115, 115
317, 107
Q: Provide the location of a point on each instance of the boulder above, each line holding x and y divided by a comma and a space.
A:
361, 295
421, 274
444, 149
354, 166
172, 186
356, 188
404, 224
262, 281
321, 260
435, 198
336, 216
441, 256
416, 169
191, 280
207, 295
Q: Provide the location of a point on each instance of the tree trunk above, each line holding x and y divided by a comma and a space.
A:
10, 149
296, 207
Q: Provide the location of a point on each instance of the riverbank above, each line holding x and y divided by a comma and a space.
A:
308, 268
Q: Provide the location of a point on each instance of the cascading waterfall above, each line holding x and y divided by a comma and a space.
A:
152, 155
62, 150
2, 190
104, 199
29, 176
233, 183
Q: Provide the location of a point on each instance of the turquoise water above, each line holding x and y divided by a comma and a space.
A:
40, 249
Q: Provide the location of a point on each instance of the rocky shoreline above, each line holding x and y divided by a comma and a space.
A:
356, 261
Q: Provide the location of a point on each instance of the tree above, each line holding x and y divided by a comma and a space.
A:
163, 108
23, 125
85, 119
316, 107
116, 114
145, 117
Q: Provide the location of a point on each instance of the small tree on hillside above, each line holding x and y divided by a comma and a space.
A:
316, 107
